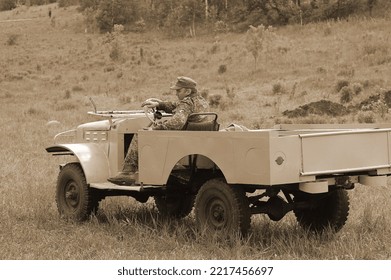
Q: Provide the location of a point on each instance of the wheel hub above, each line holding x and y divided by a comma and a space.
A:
217, 214
71, 195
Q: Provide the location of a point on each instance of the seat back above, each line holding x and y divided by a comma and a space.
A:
208, 124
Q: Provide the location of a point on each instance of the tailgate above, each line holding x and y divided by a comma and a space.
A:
345, 151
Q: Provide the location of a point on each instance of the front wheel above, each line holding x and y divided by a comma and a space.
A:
222, 208
75, 200
330, 210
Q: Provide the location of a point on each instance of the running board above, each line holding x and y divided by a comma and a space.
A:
111, 186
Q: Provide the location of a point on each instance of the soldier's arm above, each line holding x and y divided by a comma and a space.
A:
178, 120
167, 106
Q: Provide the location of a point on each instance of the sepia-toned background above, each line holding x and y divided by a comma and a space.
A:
304, 69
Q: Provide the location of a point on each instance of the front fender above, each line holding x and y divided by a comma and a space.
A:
92, 157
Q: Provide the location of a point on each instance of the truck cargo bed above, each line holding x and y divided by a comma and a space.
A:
273, 156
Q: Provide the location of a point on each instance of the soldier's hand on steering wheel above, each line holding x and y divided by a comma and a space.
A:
151, 103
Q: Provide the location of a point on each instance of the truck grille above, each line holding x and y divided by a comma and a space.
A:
95, 136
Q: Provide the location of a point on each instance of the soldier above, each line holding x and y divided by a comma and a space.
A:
189, 101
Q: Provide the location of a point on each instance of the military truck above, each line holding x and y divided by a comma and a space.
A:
225, 174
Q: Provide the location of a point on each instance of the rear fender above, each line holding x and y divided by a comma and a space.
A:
92, 158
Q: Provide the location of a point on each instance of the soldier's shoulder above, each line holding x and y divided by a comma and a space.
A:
201, 101
187, 100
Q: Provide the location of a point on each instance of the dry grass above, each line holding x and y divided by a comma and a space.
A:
48, 73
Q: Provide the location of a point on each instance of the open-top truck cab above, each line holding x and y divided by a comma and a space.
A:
226, 175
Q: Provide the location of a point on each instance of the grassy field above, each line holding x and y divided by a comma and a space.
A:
50, 67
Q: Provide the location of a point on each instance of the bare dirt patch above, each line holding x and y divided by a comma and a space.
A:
332, 109
321, 107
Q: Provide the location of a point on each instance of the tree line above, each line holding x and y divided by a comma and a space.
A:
183, 17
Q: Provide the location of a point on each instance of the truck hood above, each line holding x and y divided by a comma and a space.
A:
98, 125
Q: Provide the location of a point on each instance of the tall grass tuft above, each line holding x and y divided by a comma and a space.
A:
340, 84
12, 39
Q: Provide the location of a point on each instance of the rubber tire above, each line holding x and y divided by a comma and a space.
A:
222, 208
329, 212
84, 201
175, 205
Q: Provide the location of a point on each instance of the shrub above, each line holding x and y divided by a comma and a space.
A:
65, 3
53, 22
387, 98
375, 103
117, 12
340, 84
67, 94
36, 112
273, 12
222, 69
215, 48
357, 88
109, 68
6, 5
88, 4
324, 10
321, 70
230, 92
90, 19
376, 53
182, 18
278, 88
32, 111
39, 2
220, 27
67, 106
369, 104
381, 108
346, 72
257, 40
327, 31
90, 44
214, 100
115, 42
12, 38
115, 52
140, 26
77, 88
346, 94
366, 117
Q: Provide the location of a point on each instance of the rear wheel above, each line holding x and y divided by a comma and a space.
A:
75, 200
330, 210
222, 208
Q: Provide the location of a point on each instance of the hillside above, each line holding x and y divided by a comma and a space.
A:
55, 58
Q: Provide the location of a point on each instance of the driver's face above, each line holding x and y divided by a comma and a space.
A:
182, 93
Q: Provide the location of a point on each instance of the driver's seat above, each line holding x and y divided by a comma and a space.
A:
208, 124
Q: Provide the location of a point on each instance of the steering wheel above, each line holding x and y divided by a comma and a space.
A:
150, 114
148, 111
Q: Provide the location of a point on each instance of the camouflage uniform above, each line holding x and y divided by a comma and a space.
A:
194, 103
181, 109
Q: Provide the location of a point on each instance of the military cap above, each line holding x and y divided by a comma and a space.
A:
184, 82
